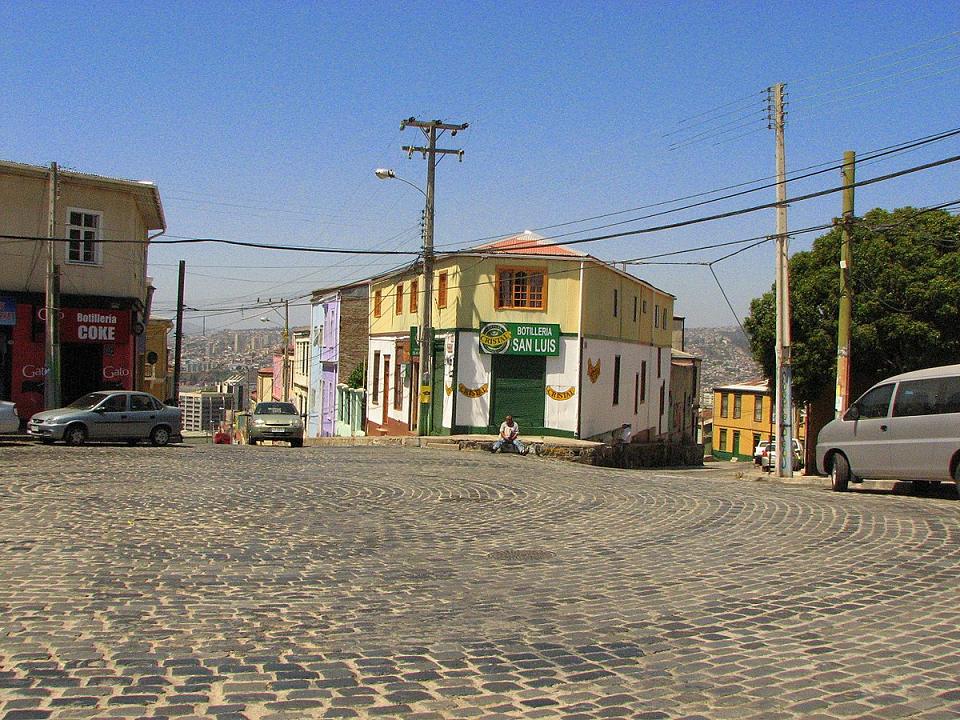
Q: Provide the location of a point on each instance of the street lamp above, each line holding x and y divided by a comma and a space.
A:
426, 331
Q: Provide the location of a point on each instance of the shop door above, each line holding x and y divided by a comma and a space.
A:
6, 364
519, 390
81, 370
437, 395
414, 383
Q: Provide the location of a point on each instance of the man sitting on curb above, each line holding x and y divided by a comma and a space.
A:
509, 436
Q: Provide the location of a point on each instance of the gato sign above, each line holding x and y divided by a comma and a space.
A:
503, 338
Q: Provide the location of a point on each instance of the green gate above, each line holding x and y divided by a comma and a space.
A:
519, 390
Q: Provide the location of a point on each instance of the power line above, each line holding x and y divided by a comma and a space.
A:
828, 166
741, 211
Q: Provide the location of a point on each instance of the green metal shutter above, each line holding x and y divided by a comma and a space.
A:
519, 390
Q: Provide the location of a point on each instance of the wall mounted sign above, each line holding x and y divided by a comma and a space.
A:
593, 371
504, 338
561, 395
473, 392
8, 311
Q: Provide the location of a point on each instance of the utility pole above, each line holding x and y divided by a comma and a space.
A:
51, 382
846, 290
429, 128
784, 397
286, 350
178, 348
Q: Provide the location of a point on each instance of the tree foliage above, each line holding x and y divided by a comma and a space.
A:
906, 298
357, 377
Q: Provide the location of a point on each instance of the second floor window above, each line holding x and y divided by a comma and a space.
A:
737, 404
757, 411
442, 289
520, 288
414, 295
398, 296
377, 303
83, 229
724, 405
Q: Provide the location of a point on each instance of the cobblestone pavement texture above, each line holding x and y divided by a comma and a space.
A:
269, 582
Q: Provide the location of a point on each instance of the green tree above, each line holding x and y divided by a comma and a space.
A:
357, 377
906, 285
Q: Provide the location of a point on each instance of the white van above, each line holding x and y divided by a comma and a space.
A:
906, 427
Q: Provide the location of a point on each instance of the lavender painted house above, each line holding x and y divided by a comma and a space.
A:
339, 328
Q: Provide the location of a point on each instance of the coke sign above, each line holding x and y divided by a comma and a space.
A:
96, 326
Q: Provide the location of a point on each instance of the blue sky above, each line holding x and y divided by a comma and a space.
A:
264, 122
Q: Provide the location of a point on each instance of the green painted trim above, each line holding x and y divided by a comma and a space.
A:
726, 455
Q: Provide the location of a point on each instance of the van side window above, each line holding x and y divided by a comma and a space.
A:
876, 402
934, 396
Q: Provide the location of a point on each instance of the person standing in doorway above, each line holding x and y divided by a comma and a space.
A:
509, 437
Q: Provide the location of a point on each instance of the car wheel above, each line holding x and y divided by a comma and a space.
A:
75, 435
160, 436
840, 473
296, 443
251, 441
46, 441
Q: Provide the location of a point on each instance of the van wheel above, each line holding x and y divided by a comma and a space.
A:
75, 435
160, 436
839, 473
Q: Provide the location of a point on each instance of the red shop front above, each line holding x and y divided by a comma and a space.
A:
97, 352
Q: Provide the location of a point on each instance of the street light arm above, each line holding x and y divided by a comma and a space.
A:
386, 174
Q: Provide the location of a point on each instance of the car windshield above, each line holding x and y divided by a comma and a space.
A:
275, 408
87, 401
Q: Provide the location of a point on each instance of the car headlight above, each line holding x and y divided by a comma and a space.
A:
258, 422
298, 423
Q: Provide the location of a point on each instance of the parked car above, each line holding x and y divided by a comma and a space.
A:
759, 451
768, 458
9, 419
275, 421
906, 427
109, 415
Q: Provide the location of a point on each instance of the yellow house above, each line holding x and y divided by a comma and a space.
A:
157, 374
742, 417
567, 344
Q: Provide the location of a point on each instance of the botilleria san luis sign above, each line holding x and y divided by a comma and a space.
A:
505, 338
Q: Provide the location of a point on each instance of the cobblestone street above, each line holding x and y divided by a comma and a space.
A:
269, 582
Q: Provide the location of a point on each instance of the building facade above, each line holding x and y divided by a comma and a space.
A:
743, 416
300, 372
567, 344
204, 411
340, 331
101, 228
157, 370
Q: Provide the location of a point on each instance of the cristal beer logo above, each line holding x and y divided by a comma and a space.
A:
495, 338
111, 373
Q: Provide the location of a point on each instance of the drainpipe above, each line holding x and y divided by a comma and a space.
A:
580, 353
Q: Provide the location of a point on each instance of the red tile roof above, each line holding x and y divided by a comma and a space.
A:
529, 243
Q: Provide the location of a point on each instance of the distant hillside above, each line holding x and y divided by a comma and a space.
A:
726, 355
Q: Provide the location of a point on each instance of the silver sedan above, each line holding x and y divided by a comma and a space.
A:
108, 415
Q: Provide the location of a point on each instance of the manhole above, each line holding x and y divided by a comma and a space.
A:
523, 555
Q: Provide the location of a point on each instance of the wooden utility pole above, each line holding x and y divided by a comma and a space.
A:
178, 347
846, 290
784, 397
51, 381
429, 128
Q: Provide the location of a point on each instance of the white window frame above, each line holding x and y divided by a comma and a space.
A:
97, 243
